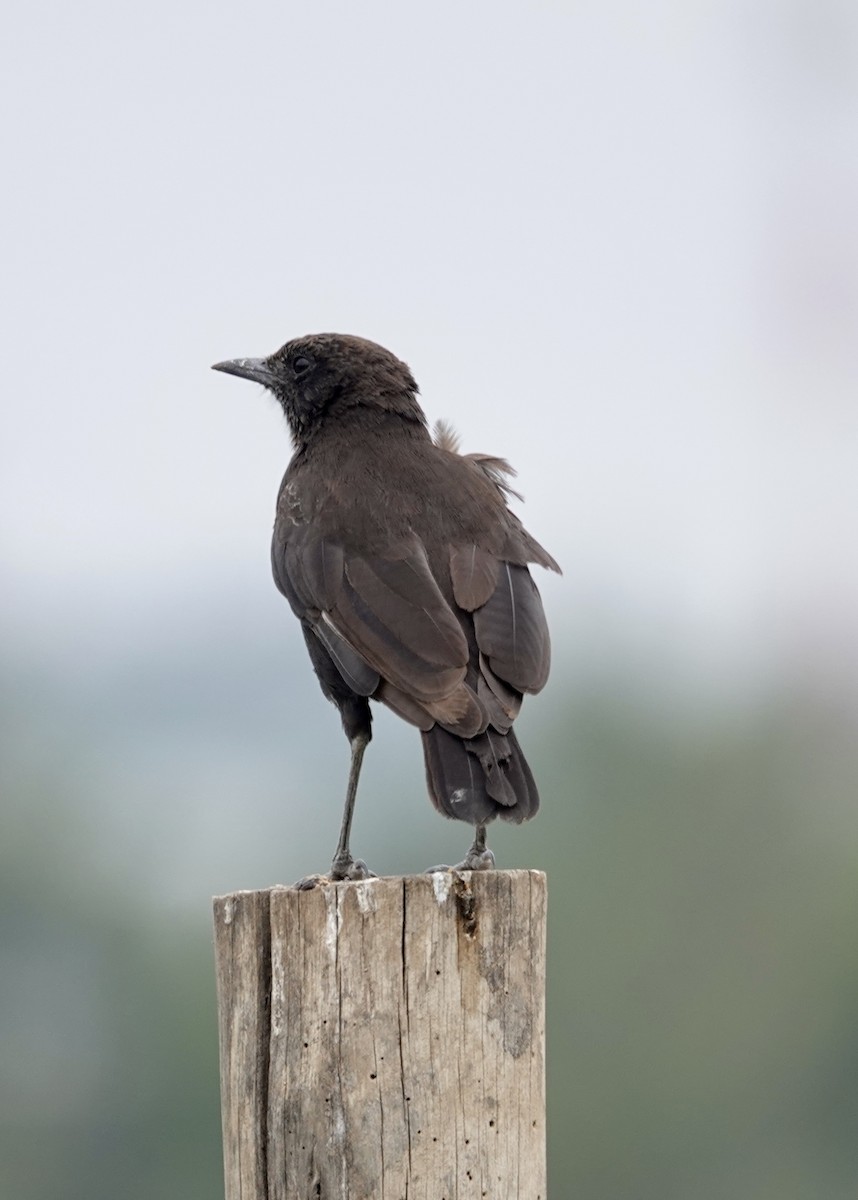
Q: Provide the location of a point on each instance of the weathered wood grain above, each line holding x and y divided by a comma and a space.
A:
384, 1040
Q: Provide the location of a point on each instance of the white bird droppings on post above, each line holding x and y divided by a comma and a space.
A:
332, 920
277, 1000
366, 900
441, 881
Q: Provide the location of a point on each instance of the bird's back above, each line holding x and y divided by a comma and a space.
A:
427, 582
387, 482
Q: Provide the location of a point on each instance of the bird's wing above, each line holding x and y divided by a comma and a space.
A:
492, 581
392, 611
384, 610
509, 621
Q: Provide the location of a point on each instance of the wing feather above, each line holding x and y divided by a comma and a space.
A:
474, 575
404, 597
512, 631
376, 616
418, 652
354, 669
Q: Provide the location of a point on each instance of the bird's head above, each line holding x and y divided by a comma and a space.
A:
326, 374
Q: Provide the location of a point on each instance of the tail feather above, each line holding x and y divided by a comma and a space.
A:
478, 779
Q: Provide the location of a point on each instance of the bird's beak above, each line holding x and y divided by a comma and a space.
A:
256, 369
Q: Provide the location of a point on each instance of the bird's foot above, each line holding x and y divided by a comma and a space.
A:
342, 871
474, 860
346, 867
308, 882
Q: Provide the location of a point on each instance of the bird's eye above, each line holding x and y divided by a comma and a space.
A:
301, 366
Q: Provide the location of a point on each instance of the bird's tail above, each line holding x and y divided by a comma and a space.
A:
478, 779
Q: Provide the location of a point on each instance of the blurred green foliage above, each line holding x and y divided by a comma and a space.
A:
703, 989
109, 1076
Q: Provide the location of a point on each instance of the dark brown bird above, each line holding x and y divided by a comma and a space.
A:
409, 575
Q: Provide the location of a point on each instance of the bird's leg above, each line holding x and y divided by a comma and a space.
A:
344, 866
478, 858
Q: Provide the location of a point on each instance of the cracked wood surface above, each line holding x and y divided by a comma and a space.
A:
384, 1040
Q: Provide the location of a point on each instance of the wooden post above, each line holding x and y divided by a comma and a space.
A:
384, 1040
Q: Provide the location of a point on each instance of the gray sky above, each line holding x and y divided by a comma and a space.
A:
617, 243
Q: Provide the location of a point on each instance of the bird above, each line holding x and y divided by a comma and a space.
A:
409, 575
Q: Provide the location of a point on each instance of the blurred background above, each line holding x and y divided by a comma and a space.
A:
615, 242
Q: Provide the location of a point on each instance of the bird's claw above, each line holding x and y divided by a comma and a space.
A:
474, 860
478, 860
309, 882
342, 871
350, 869
353, 871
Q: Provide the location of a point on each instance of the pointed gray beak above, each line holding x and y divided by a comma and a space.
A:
256, 369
